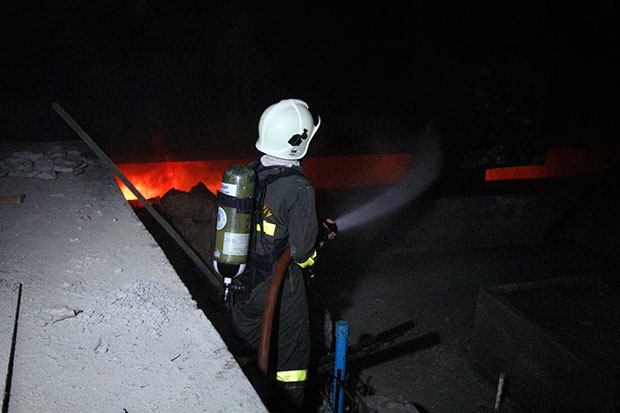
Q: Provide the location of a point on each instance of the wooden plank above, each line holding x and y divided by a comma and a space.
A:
211, 277
17, 199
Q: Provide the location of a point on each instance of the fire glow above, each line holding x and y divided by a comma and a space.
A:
154, 179
561, 162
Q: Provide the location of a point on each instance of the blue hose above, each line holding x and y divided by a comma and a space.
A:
342, 333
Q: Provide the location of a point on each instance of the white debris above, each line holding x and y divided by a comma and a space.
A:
24, 173
47, 175
54, 163
56, 152
14, 164
44, 164
31, 156
59, 313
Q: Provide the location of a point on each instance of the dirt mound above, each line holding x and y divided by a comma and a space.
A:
193, 214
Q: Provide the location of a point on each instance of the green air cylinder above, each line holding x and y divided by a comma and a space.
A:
236, 205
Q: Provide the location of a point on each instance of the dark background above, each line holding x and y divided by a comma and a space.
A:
499, 81
155, 80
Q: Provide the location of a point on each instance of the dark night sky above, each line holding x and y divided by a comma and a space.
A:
192, 78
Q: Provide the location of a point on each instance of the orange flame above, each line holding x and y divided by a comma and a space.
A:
156, 178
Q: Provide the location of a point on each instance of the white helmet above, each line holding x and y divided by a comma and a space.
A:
285, 129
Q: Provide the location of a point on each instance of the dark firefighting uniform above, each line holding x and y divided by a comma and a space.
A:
286, 218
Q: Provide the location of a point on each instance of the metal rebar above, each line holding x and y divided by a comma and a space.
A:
9, 374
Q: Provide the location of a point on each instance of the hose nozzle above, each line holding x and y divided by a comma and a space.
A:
326, 228
329, 227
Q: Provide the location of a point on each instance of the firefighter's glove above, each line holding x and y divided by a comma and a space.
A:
327, 231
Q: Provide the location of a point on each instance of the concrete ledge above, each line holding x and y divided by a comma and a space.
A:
105, 322
557, 340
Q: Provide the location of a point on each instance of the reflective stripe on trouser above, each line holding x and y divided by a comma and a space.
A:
292, 343
292, 375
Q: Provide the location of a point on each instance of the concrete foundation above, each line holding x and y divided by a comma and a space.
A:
556, 340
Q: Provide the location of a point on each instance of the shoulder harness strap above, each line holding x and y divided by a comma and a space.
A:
261, 190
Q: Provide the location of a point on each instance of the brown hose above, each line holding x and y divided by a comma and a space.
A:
270, 305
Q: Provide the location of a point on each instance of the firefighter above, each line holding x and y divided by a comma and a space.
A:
286, 217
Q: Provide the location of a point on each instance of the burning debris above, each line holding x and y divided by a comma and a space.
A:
57, 162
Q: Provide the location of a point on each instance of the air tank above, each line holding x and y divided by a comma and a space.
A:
236, 205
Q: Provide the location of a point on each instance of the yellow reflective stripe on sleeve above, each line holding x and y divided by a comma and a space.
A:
269, 228
309, 261
292, 375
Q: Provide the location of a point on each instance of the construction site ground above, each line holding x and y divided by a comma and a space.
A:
426, 262
140, 344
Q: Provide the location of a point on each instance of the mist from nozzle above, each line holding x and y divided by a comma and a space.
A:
427, 168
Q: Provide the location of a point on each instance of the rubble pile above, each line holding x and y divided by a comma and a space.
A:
57, 162
193, 214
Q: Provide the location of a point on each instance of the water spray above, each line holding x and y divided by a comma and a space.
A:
426, 169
